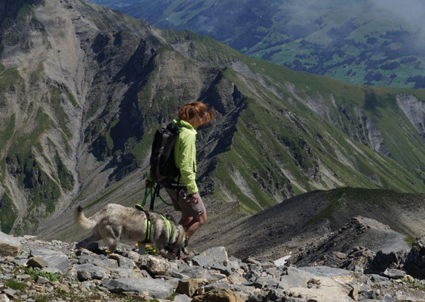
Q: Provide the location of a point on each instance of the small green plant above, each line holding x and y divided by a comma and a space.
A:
35, 274
412, 283
16, 285
41, 298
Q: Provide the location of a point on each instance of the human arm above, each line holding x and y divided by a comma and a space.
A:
186, 161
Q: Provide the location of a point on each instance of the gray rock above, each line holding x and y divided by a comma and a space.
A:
378, 278
365, 292
195, 272
182, 298
20, 261
237, 279
9, 245
125, 263
225, 270
98, 260
37, 262
150, 287
188, 287
388, 298
10, 292
42, 280
23, 277
394, 273
55, 259
154, 265
44, 252
203, 261
4, 298
234, 265
89, 271
117, 273
177, 274
218, 254
324, 271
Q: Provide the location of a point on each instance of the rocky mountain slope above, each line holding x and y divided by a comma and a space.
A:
83, 88
362, 42
321, 222
36, 270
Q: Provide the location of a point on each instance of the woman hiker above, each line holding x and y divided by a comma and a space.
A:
185, 196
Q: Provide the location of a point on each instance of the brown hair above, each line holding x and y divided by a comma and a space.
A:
196, 109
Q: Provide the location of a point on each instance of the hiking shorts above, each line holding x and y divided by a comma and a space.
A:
182, 204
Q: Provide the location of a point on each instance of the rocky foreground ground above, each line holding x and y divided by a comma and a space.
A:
34, 270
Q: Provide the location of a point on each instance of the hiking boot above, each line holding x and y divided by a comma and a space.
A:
185, 250
186, 257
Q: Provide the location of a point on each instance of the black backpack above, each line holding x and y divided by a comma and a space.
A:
162, 166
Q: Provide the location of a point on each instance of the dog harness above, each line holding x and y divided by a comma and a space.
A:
149, 225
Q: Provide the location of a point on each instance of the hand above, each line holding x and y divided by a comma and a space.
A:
195, 198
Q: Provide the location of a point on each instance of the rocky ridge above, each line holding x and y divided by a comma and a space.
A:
38, 270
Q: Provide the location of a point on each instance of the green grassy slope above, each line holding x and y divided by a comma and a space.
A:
361, 42
280, 140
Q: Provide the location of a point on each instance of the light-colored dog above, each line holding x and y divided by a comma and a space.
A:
115, 222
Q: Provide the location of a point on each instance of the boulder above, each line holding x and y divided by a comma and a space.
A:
89, 271
37, 262
4, 298
54, 259
415, 262
394, 273
214, 255
153, 288
154, 265
125, 262
9, 245
219, 295
319, 284
182, 298
188, 287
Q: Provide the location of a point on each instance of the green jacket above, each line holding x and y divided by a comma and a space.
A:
185, 155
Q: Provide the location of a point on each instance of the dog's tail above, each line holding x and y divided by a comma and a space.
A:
83, 221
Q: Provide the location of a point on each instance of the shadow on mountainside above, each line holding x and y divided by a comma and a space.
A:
302, 221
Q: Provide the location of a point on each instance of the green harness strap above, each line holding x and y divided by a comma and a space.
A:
169, 227
151, 192
148, 228
148, 222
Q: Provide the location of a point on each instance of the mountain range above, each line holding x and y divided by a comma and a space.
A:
371, 42
83, 88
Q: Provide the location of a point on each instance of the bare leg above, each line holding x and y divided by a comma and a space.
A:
195, 223
185, 220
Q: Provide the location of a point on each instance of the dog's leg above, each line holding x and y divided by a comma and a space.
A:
142, 249
113, 245
167, 254
114, 238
